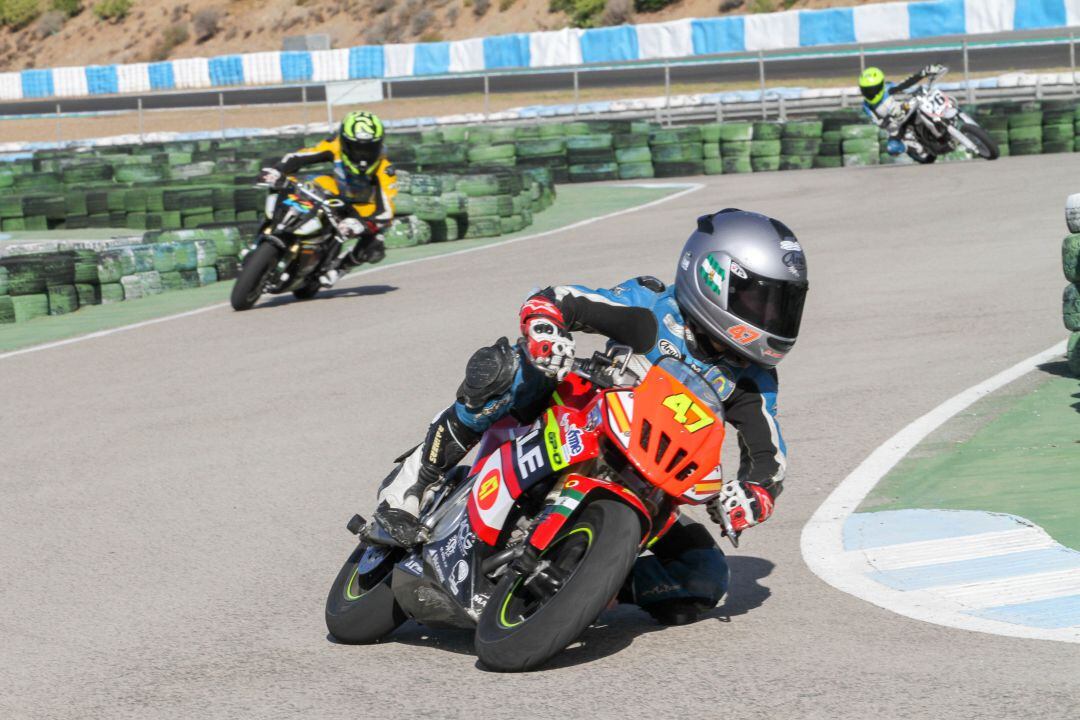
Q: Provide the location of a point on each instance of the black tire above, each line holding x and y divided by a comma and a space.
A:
360, 607
927, 158
988, 149
249, 283
306, 292
514, 634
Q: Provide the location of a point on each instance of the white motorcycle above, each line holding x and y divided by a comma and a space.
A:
934, 120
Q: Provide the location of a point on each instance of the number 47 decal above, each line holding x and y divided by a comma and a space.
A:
682, 404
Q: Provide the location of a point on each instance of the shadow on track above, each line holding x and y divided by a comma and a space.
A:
330, 294
1061, 369
616, 629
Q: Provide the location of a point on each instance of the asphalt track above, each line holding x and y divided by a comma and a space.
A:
790, 69
174, 496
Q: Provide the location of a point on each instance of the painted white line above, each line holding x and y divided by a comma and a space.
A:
965, 547
1013, 590
822, 539
688, 188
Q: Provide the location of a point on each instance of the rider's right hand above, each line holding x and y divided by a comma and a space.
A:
547, 343
935, 69
270, 176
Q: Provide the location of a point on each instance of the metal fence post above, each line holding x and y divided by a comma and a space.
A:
389, 90
719, 110
59, 128
862, 58
967, 76
303, 99
487, 97
576, 100
221, 111
761, 74
781, 110
141, 140
1072, 61
329, 112
667, 91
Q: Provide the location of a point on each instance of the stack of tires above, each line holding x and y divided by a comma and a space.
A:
591, 157
765, 146
633, 156
735, 139
25, 288
830, 151
1058, 132
996, 124
859, 145
1025, 131
799, 144
1070, 302
676, 152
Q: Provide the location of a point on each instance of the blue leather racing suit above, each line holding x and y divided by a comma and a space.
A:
643, 314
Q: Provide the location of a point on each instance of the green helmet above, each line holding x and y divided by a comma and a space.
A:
872, 85
361, 138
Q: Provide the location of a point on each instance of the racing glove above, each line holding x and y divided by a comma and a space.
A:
547, 343
270, 176
744, 505
934, 69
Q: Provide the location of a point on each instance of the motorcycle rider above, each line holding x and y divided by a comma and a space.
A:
881, 105
733, 314
363, 177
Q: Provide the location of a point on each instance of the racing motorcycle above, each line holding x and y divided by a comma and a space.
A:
291, 246
935, 120
536, 539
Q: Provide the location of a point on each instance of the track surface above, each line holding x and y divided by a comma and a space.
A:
174, 497
843, 69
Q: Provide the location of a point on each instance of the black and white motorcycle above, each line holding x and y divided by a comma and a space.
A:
935, 121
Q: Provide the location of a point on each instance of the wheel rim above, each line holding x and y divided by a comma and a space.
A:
980, 146
364, 577
566, 554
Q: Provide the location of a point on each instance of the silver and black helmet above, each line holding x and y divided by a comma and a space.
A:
742, 281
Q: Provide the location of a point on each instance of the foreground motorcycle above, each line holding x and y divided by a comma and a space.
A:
532, 543
292, 245
935, 120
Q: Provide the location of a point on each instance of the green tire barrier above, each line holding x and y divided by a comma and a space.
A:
29, 307
1073, 354
710, 150
736, 165
735, 149
600, 141
767, 131
764, 148
796, 162
678, 169
803, 129
800, 146
858, 132
860, 145
636, 171
1070, 257
637, 154
63, 299
677, 153
714, 166
1070, 309
7, 310
765, 163
862, 159
736, 132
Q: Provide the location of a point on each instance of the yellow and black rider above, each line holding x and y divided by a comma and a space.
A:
362, 176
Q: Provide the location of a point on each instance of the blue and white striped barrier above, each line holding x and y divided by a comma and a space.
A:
678, 39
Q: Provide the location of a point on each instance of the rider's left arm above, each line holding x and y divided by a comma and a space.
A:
751, 409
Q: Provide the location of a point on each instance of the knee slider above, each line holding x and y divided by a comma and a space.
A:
488, 375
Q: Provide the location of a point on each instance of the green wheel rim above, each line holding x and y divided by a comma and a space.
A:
503, 620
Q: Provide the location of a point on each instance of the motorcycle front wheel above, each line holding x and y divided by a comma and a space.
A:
518, 632
360, 607
249, 284
988, 149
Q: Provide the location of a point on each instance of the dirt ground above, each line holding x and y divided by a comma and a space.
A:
239, 26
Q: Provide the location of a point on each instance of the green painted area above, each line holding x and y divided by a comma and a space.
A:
573, 204
1017, 454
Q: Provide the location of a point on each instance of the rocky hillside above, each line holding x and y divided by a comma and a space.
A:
54, 33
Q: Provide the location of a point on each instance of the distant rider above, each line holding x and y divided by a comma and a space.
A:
733, 314
882, 107
362, 176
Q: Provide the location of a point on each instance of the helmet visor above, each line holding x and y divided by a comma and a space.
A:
775, 306
872, 92
361, 152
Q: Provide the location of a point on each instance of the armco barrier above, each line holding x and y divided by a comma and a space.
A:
563, 48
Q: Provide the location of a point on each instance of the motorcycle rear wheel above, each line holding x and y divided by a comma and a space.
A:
988, 149
517, 633
360, 607
249, 284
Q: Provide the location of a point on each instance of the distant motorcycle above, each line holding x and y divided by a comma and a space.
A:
936, 122
535, 541
292, 245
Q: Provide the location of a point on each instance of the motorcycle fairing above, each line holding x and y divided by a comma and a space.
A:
574, 493
554, 442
